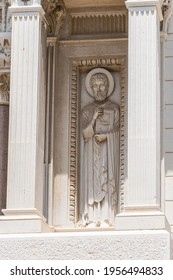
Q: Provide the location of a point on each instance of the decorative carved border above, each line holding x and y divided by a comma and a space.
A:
77, 66
4, 88
95, 22
5, 50
5, 17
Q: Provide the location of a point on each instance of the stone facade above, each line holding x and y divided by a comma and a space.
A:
5, 58
60, 43
86, 246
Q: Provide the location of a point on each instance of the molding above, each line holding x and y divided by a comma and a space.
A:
29, 212
111, 11
99, 22
51, 41
91, 41
113, 63
4, 88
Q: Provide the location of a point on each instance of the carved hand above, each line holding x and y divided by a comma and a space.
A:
98, 112
100, 137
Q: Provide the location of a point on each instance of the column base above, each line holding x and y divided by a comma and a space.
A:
152, 220
23, 221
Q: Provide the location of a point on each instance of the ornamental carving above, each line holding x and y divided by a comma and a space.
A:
94, 22
5, 50
78, 66
99, 149
4, 88
5, 16
55, 14
167, 12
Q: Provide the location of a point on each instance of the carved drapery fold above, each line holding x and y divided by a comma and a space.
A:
82, 65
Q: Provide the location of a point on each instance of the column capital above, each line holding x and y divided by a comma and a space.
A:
25, 2
138, 4
55, 13
167, 13
20, 6
4, 88
143, 3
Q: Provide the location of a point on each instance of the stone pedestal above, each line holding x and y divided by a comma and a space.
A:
27, 121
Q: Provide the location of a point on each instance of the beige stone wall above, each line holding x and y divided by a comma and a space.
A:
132, 245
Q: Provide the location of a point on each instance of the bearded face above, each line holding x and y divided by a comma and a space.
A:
99, 84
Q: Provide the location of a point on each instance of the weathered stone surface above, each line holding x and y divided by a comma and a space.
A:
4, 115
146, 245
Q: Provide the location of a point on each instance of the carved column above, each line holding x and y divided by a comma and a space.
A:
5, 58
49, 134
25, 181
142, 195
4, 118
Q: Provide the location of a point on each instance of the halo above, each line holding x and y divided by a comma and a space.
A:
99, 71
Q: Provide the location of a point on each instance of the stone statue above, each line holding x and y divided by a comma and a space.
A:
99, 174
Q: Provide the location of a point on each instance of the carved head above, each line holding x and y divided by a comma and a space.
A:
99, 84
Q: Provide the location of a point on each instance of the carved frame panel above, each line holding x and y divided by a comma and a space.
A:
78, 66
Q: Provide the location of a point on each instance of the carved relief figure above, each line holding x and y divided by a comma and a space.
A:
100, 152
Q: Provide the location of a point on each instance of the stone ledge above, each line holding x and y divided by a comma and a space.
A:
144, 244
146, 220
23, 221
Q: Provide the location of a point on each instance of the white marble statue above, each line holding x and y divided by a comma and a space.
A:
99, 153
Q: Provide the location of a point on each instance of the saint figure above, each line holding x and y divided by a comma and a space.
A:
99, 174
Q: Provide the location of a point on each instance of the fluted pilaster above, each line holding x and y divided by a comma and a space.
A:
144, 109
143, 179
25, 182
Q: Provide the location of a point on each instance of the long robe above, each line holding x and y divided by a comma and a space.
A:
99, 174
